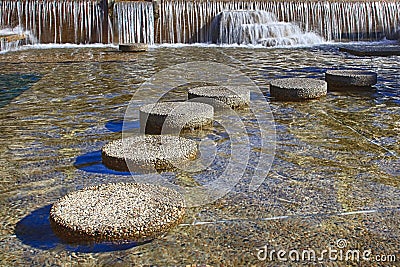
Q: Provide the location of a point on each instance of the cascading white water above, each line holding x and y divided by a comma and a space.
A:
11, 39
186, 21
134, 22
55, 21
259, 27
183, 21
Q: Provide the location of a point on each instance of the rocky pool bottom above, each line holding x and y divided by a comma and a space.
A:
334, 182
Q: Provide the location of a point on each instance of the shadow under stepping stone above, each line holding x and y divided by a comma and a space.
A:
348, 79
134, 47
119, 125
35, 230
233, 97
173, 117
92, 162
297, 89
148, 153
120, 212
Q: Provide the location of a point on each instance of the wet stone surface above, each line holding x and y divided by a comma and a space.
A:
231, 97
334, 176
173, 117
350, 78
117, 211
297, 89
148, 152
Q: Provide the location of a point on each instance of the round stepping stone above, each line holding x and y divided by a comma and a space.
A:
12, 37
233, 97
297, 89
350, 78
145, 153
117, 212
134, 47
172, 117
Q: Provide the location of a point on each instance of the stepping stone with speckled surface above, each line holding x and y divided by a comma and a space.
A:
342, 79
173, 117
232, 97
117, 212
297, 89
377, 51
134, 47
147, 153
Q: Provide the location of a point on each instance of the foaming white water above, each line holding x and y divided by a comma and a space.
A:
257, 27
68, 45
60, 46
55, 21
21, 37
246, 46
183, 21
134, 22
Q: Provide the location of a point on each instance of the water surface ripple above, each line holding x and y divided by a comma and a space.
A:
335, 157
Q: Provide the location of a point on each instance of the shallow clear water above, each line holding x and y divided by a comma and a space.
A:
335, 173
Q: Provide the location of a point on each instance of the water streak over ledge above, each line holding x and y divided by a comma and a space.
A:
181, 21
189, 21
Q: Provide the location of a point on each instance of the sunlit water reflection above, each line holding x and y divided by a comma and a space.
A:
334, 155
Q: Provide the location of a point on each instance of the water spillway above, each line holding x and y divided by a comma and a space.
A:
258, 28
190, 21
181, 21
133, 22
55, 21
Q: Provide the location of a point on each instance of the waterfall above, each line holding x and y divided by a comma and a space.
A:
55, 21
183, 21
258, 27
11, 39
134, 22
190, 21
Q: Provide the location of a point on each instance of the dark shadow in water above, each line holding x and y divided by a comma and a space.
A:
91, 162
12, 85
117, 125
308, 72
360, 92
35, 230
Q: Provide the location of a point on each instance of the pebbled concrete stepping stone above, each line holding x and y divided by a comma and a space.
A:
134, 47
233, 97
172, 117
297, 89
117, 212
350, 78
376, 51
146, 153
